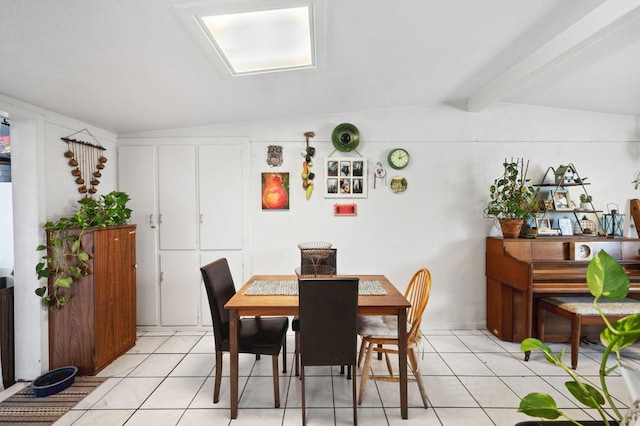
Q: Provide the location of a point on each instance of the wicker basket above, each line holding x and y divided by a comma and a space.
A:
313, 271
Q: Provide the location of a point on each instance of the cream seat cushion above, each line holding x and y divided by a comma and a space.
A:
382, 325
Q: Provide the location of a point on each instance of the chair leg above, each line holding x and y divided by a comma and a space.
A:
363, 348
388, 360
218, 379
296, 352
365, 372
379, 353
284, 354
276, 382
304, 408
353, 398
413, 361
576, 331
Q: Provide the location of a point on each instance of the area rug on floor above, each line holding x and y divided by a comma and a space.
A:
24, 408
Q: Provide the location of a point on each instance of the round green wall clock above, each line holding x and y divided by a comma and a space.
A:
398, 158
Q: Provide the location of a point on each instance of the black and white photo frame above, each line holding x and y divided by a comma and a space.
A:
345, 177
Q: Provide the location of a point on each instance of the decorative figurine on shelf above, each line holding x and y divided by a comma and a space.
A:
379, 173
307, 175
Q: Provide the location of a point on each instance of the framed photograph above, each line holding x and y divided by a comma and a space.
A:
543, 223
561, 200
345, 178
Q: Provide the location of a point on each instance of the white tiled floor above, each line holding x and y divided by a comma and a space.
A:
471, 377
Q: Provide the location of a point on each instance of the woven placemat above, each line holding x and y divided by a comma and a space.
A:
24, 408
290, 288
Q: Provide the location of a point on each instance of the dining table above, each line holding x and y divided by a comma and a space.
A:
271, 295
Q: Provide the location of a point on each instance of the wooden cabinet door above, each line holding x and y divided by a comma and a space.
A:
114, 293
138, 177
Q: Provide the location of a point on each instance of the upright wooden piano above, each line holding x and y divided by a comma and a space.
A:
521, 270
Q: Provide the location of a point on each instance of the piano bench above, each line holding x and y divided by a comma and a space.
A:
580, 310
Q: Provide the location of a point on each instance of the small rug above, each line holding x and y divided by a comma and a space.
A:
290, 288
23, 408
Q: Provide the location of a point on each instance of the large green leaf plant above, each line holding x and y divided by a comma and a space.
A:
605, 278
65, 261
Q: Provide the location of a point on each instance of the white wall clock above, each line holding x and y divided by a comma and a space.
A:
581, 251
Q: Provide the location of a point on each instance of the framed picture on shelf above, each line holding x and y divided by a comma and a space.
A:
561, 200
543, 223
345, 178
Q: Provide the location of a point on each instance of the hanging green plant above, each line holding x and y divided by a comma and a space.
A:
65, 261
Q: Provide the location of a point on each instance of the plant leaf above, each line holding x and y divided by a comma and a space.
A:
539, 405
532, 344
629, 324
593, 398
606, 278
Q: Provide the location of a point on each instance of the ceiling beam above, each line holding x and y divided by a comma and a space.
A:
600, 22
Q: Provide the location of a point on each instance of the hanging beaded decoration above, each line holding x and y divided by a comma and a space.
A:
86, 162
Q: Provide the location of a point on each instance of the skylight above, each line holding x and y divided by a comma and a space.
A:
262, 40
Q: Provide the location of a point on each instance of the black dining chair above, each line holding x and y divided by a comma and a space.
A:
306, 263
257, 335
328, 309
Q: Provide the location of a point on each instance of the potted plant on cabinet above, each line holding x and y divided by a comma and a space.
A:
65, 260
585, 202
605, 278
512, 201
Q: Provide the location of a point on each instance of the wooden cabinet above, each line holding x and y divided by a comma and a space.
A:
98, 323
7, 341
520, 270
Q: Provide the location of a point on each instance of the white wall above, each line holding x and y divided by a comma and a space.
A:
438, 222
39, 193
6, 229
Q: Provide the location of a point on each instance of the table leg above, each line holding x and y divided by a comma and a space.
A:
402, 361
233, 361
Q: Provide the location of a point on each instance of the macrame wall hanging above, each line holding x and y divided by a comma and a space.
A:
86, 161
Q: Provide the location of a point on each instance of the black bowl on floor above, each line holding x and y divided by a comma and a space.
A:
54, 381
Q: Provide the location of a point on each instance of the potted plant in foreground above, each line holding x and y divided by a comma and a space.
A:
511, 200
65, 260
605, 278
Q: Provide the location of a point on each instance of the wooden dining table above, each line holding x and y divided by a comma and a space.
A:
391, 303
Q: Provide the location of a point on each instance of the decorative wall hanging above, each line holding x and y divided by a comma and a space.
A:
345, 137
345, 209
398, 184
379, 173
345, 178
86, 162
275, 191
307, 175
274, 155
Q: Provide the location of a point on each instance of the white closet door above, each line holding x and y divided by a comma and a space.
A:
137, 177
180, 288
220, 195
177, 197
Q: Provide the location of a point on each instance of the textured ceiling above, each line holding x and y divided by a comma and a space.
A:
134, 65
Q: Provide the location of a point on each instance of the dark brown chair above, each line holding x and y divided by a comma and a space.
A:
305, 263
257, 335
328, 319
